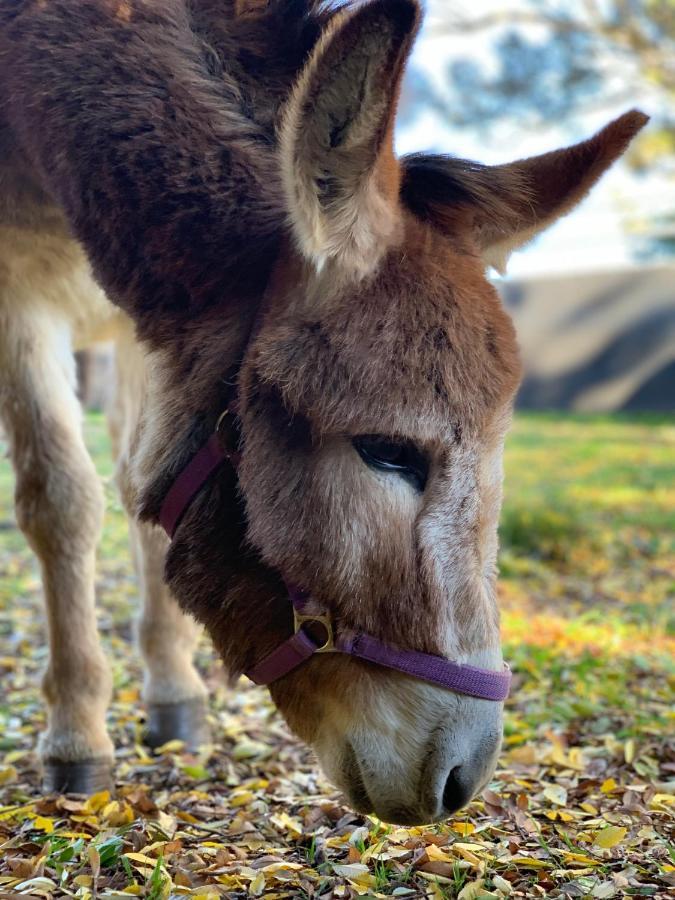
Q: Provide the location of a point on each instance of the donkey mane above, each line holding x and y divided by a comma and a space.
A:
263, 46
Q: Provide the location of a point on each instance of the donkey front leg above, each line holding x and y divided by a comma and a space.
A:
59, 506
174, 693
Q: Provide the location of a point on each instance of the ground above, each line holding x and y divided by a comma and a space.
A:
581, 806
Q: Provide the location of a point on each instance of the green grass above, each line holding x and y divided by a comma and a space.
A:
582, 478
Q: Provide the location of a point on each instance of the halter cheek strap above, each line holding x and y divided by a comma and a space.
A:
313, 631
186, 487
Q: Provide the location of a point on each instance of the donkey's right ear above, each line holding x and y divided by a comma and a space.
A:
340, 175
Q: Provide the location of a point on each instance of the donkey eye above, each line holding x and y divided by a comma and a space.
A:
401, 457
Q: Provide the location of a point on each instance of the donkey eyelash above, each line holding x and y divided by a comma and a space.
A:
402, 458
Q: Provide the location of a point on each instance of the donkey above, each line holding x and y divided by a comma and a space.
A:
317, 388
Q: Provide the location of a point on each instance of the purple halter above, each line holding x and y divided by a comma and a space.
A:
485, 684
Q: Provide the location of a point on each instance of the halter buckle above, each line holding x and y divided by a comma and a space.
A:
324, 621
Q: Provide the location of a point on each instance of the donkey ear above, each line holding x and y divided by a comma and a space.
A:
533, 193
340, 176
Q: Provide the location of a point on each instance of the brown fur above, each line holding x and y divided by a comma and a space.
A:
158, 139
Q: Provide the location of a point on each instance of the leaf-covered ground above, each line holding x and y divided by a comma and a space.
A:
581, 806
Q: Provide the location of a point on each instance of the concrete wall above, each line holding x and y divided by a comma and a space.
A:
596, 342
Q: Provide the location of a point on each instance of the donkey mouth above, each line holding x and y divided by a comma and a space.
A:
359, 799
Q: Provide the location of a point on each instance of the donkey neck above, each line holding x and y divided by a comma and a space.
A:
191, 380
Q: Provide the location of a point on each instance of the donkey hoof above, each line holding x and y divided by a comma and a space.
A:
184, 721
87, 776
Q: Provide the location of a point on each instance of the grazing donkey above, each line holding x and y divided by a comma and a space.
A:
324, 377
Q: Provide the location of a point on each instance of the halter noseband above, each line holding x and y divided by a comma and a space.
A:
314, 631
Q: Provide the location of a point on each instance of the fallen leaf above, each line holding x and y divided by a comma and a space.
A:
610, 836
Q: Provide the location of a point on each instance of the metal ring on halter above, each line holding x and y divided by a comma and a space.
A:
227, 429
324, 621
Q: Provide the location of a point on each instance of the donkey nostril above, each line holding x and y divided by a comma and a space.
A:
455, 794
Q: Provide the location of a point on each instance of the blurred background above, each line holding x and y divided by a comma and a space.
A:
594, 297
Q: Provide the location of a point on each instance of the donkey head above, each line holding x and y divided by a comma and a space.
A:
374, 399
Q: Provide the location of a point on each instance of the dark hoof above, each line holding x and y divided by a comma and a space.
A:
184, 721
88, 776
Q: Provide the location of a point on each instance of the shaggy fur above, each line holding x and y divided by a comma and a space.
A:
153, 125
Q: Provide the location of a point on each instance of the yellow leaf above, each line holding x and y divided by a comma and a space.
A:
143, 757
580, 858
558, 754
287, 823
167, 823
96, 802
373, 850
434, 891
13, 756
274, 868
472, 890
576, 759
116, 813
142, 859
83, 880
186, 817
629, 751
435, 854
529, 862
241, 798
399, 836
468, 845
174, 746
610, 836
14, 812
608, 786
463, 828
127, 695
8, 774
257, 886
42, 823
466, 852
133, 889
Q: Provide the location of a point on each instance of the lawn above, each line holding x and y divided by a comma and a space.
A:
581, 806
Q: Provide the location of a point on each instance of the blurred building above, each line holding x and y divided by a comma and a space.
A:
596, 342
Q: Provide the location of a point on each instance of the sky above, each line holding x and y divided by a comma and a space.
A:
591, 237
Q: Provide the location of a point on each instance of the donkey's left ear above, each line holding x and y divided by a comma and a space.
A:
340, 176
532, 193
